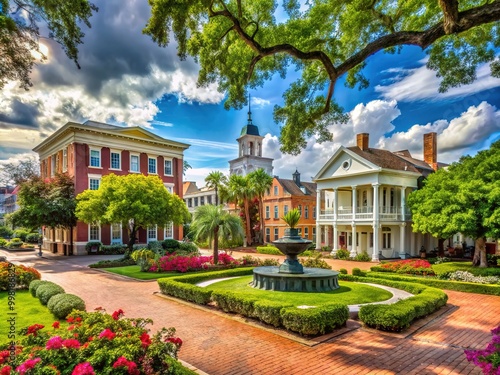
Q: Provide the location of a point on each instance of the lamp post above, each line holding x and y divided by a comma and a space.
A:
40, 241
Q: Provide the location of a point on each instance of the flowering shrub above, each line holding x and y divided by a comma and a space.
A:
410, 266
469, 277
249, 260
190, 263
24, 275
487, 359
95, 343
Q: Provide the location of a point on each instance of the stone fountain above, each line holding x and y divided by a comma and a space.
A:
291, 276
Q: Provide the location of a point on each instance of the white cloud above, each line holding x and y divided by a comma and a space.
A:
198, 174
162, 123
421, 83
259, 102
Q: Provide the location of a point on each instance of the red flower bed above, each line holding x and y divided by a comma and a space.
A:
410, 266
183, 264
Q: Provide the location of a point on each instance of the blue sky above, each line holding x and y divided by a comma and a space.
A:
126, 79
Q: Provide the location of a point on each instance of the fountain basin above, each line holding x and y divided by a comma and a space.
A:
311, 280
292, 246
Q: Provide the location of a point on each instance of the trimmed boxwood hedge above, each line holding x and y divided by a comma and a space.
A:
46, 290
34, 286
398, 316
61, 305
271, 250
269, 312
459, 286
314, 321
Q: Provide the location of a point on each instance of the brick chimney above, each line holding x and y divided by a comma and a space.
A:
362, 141
430, 149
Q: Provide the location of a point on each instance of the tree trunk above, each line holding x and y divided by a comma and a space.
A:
216, 196
261, 216
480, 253
441, 247
248, 224
132, 232
216, 245
70, 251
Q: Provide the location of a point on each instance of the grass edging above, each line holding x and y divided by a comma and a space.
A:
458, 286
398, 316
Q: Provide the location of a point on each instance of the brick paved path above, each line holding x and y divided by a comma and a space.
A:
218, 345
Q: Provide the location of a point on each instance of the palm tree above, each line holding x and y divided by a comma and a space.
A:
215, 180
260, 182
212, 223
240, 190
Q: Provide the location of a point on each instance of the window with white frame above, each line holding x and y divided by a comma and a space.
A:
306, 212
116, 160
276, 212
268, 234
386, 238
152, 233
275, 190
94, 232
168, 167
65, 159
202, 200
94, 183
116, 233
268, 212
95, 158
134, 163
152, 165
52, 165
169, 187
306, 232
169, 231
276, 234
285, 209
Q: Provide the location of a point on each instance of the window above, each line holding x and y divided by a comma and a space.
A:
168, 167
300, 231
371, 239
116, 233
94, 183
115, 160
276, 212
196, 201
268, 234
134, 163
306, 232
65, 160
268, 214
209, 199
202, 201
285, 210
306, 212
94, 232
275, 190
268, 192
152, 165
300, 210
276, 234
52, 166
386, 238
151, 233
95, 158
190, 202
169, 231
314, 234
169, 187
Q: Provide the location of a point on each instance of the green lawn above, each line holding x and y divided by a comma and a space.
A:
349, 293
465, 266
135, 272
28, 311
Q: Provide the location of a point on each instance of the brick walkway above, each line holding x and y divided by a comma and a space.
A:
218, 345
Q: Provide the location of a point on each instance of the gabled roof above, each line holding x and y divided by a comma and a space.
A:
291, 187
386, 159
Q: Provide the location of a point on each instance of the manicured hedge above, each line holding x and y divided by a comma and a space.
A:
234, 302
46, 290
269, 312
61, 305
459, 286
34, 286
272, 250
398, 316
182, 286
314, 321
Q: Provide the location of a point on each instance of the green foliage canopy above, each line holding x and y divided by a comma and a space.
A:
241, 44
19, 33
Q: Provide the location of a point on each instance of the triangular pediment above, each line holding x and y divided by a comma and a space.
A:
344, 163
139, 133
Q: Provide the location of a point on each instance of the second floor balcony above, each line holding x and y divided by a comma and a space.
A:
365, 213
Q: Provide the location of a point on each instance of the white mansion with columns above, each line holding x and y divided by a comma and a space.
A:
362, 192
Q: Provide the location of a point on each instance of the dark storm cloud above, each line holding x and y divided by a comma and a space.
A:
23, 115
115, 46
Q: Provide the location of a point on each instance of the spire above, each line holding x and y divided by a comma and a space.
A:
249, 111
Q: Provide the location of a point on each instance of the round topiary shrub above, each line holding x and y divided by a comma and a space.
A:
61, 305
47, 290
343, 271
34, 286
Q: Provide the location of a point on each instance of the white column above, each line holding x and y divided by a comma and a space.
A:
354, 203
375, 223
318, 213
335, 245
403, 203
402, 249
335, 205
354, 247
327, 230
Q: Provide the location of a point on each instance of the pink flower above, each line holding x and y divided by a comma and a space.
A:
3, 356
130, 365
5, 370
174, 340
71, 343
55, 342
145, 340
117, 314
84, 368
107, 333
24, 367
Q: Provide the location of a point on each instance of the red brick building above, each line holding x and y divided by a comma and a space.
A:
91, 150
283, 196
